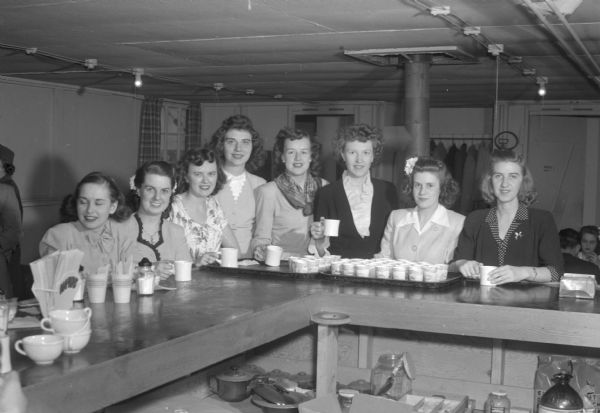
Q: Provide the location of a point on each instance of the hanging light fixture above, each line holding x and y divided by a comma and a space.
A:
138, 72
542, 81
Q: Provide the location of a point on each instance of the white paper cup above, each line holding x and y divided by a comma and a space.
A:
273, 255
183, 271
484, 273
121, 290
332, 227
229, 257
96, 291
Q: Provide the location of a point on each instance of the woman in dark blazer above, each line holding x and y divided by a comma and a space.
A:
360, 202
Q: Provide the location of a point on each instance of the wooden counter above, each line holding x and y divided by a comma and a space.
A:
153, 340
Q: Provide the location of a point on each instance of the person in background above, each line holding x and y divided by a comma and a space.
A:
95, 215
7, 169
10, 235
158, 240
429, 231
521, 241
196, 209
589, 244
240, 150
570, 247
284, 207
361, 203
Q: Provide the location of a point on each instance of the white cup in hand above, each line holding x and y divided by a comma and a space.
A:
484, 273
332, 227
273, 255
228, 257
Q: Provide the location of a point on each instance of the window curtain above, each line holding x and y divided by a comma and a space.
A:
150, 131
193, 126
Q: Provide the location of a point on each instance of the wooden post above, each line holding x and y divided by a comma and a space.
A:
416, 102
327, 350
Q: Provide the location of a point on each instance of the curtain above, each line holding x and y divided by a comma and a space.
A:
150, 130
193, 127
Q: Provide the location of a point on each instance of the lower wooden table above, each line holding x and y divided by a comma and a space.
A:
153, 340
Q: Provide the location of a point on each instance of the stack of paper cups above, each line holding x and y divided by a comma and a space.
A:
96, 288
121, 286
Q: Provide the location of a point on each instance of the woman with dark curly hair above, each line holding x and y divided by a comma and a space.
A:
239, 148
284, 207
361, 203
521, 241
159, 240
589, 244
429, 232
95, 215
196, 209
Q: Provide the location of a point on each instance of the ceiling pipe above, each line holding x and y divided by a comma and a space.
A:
575, 36
582, 66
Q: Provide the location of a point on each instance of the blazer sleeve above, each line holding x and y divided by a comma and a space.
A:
265, 212
322, 201
10, 219
549, 252
467, 240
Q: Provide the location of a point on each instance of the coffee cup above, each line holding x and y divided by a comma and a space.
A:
183, 270
273, 255
96, 288
332, 227
67, 321
42, 349
229, 257
121, 287
484, 273
74, 343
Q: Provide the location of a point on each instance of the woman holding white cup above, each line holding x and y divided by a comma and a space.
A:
429, 231
521, 241
196, 209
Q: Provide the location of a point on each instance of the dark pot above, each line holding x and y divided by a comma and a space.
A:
232, 385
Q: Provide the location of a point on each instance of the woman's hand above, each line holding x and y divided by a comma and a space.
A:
207, 258
317, 229
259, 252
509, 274
164, 269
468, 268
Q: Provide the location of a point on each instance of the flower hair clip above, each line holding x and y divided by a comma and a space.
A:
132, 183
410, 165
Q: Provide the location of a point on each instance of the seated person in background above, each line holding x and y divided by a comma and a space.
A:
10, 234
570, 247
429, 232
157, 239
195, 208
361, 203
239, 148
589, 244
95, 215
521, 241
284, 206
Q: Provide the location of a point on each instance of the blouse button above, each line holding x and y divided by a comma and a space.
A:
414, 248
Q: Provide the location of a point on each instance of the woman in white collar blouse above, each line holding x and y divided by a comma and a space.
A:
240, 149
429, 231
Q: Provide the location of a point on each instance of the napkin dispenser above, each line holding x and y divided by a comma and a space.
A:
577, 286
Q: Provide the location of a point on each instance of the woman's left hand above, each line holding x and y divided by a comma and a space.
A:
508, 274
207, 258
164, 269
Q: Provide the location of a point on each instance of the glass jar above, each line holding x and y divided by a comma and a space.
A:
145, 277
389, 377
497, 402
561, 397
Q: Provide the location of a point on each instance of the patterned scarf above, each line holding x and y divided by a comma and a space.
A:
296, 196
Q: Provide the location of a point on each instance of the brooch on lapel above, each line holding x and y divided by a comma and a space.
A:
518, 235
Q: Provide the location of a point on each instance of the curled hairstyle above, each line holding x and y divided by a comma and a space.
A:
68, 208
160, 168
197, 157
569, 238
363, 133
527, 194
449, 188
239, 122
9, 168
295, 134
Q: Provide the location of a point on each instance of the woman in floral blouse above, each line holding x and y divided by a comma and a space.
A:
196, 209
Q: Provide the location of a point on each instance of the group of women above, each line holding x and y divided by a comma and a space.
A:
212, 199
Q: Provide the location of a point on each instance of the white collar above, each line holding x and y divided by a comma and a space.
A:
439, 217
236, 183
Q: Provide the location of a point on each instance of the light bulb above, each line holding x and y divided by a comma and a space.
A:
138, 72
542, 81
542, 90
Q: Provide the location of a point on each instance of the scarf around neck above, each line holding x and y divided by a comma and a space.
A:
297, 197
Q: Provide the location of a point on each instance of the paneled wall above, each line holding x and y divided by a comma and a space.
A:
58, 136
